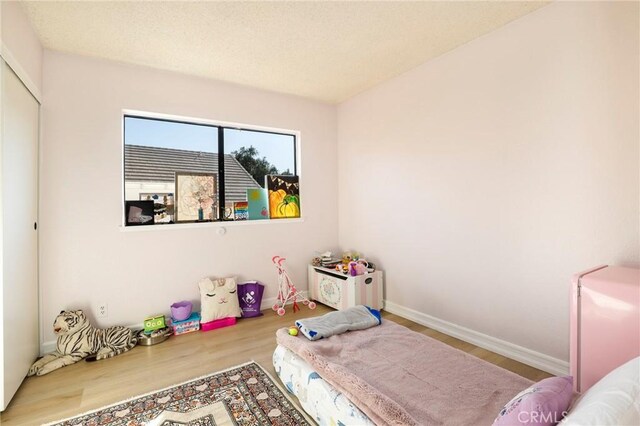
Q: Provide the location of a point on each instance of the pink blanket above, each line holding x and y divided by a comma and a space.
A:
399, 377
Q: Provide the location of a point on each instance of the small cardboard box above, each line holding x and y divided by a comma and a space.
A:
187, 326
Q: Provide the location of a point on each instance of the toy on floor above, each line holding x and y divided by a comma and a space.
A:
78, 339
154, 323
154, 337
155, 330
180, 311
219, 299
287, 292
187, 325
293, 331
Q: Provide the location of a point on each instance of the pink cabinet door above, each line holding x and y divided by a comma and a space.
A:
605, 322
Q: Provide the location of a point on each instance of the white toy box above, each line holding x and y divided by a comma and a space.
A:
340, 291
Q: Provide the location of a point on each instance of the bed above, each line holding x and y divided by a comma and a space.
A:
323, 402
390, 375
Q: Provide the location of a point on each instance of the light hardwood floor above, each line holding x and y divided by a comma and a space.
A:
86, 386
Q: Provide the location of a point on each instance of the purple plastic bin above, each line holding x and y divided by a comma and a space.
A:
250, 297
180, 311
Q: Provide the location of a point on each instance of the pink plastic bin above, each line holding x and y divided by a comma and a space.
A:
212, 325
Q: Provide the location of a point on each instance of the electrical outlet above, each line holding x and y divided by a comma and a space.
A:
102, 310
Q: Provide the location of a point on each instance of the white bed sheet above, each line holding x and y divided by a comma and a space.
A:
319, 399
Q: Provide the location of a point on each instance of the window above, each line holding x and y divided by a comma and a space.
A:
177, 171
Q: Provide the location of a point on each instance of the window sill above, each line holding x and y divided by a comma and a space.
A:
205, 225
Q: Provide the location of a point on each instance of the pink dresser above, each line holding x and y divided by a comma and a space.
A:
605, 322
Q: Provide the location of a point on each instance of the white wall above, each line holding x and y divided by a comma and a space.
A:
22, 44
87, 259
482, 180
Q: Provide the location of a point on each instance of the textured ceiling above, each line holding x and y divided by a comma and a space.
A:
323, 50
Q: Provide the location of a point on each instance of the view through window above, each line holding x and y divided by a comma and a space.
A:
190, 172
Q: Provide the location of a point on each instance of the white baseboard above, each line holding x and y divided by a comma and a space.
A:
50, 346
527, 356
267, 304
47, 347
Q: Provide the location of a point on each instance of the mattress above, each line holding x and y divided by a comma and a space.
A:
318, 398
396, 376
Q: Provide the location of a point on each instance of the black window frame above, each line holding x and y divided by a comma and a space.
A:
221, 128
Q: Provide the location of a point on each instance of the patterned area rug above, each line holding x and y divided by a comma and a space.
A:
242, 395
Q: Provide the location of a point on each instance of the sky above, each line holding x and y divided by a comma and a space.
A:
164, 134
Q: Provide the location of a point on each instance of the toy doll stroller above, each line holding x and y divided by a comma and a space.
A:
287, 292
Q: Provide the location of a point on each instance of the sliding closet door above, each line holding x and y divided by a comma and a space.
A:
19, 210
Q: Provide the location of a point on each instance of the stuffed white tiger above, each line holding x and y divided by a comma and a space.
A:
77, 339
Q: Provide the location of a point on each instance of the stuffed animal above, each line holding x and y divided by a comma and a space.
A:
358, 268
78, 339
219, 299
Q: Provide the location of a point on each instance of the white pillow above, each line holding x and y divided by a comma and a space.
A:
219, 299
612, 401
